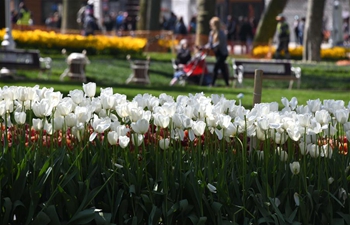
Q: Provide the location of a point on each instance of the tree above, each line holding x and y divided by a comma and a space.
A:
206, 11
69, 15
267, 24
153, 15
142, 20
313, 30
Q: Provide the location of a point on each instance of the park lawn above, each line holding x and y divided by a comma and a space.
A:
319, 81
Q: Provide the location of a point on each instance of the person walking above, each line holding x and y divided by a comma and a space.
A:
218, 43
24, 15
283, 34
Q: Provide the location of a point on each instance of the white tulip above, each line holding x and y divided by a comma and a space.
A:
48, 127
326, 151
122, 130
100, 125
42, 108
124, 141
113, 137
231, 130
304, 120
161, 121
323, 117
70, 120
122, 110
141, 126
198, 127
54, 98
347, 134
303, 148
314, 105
20, 117
64, 108
346, 126
283, 156
313, 150
137, 139
37, 124
330, 180
106, 91
342, 115
295, 167
108, 101
211, 188
58, 122
83, 113
280, 138
77, 96
164, 143
260, 154
90, 89
296, 199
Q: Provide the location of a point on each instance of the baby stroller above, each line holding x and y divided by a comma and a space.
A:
195, 71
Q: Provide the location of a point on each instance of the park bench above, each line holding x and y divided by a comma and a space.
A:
20, 59
140, 71
272, 70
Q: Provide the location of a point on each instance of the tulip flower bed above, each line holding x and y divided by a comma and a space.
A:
334, 53
86, 159
44, 40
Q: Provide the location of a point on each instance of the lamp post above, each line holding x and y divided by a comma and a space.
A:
8, 42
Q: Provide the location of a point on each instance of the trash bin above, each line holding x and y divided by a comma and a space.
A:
76, 67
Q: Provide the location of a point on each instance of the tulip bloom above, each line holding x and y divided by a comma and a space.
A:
90, 89
295, 167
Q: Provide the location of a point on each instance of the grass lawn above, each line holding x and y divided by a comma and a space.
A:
323, 80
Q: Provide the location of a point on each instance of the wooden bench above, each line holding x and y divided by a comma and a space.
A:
272, 70
25, 60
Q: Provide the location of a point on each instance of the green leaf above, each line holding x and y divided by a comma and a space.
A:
202, 220
292, 215
134, 221
132, 189
277, 211
19, 185
103, 218
193, 218
216, 206
118, 200
155, 215
346, 217
83, 217
51, 212
44, 168
8, 208
337, 221
41, 219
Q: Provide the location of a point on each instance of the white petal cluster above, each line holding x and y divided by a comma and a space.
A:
126, 121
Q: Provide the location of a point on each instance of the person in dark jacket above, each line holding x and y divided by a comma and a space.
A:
245, 34
183, 56
283, 34
180, 27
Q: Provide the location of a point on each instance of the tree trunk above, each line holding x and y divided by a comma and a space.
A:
313, 30
69, 15
153, 15
267, 25
206, 10
141, 23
